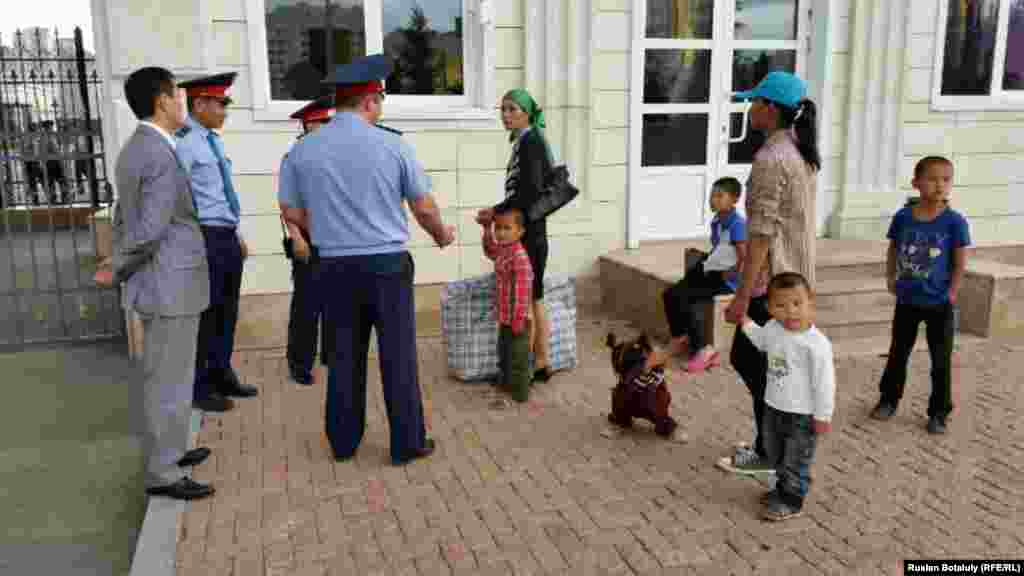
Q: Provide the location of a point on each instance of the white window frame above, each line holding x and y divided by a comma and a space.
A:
477, 103
998, 98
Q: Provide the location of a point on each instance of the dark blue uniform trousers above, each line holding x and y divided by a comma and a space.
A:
304, 319
372, 292
217, 323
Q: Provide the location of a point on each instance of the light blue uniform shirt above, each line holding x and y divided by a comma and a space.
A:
351, 178
197, 157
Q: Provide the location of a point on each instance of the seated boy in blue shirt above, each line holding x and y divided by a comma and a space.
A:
715, 274
925, 265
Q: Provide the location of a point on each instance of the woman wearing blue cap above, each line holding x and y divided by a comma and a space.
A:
780, 207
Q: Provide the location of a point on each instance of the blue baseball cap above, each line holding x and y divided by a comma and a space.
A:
367, 70
779, 87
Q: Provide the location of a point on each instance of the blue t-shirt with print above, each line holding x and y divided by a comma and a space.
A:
924, 255
734, 227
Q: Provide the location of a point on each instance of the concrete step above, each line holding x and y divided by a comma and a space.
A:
853, 270
879, 347
874, 322
853, 295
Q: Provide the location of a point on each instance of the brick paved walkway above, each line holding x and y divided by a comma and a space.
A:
537, 490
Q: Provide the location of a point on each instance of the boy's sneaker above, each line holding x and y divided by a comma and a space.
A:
746, 461
883, 411
769, 498
778, 511
612, 431
678, 436
936, 425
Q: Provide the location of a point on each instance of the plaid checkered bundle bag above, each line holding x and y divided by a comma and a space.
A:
470, 326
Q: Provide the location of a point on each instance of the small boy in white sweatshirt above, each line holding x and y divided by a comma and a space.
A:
800, 395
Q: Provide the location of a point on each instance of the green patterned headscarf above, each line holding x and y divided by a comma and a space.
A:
526, 102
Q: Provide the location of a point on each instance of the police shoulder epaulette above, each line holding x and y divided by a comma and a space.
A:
389, 129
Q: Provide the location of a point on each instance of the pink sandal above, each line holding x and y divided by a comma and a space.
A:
702, 361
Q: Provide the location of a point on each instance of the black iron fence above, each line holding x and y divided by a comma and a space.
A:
54, 192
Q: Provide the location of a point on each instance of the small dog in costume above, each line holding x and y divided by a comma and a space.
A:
641, 391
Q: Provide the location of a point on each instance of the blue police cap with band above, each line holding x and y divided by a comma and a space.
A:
363, 76
217, 87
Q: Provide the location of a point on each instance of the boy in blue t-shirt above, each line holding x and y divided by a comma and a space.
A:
715, 274
924, 269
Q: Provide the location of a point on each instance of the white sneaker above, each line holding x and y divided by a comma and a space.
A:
745, 461
612, 431
679, 437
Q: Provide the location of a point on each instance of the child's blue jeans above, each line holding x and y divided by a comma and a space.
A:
789, 441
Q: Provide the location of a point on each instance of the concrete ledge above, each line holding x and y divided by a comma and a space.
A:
157, 548
633, 292
632, 282
992, 299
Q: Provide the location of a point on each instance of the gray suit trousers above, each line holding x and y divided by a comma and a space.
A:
169, 353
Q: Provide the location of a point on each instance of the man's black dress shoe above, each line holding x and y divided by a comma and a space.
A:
230, 386
427, 450
213, 402
183, 489
194, 457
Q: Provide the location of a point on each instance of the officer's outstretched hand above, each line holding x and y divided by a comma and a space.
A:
484, 216
447, 238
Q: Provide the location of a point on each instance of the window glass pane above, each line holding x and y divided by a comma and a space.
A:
1013, 77
680, 19
750, 66
424, 38
970, 44
743, 152
766, 20
675, 140
300, 49
677, 76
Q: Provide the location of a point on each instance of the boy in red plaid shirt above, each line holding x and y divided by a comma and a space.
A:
514, 277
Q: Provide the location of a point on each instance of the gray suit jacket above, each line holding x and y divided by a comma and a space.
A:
160, 254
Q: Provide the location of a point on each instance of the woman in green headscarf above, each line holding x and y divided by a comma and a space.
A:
524, 182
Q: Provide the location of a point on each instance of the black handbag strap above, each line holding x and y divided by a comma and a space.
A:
284, 228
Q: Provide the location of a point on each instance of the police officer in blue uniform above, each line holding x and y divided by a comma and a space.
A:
201, 152
305, 314
349, 181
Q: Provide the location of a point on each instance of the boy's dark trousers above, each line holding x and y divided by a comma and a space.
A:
789, 440
752, 366
939, 323
514, 363
683, 298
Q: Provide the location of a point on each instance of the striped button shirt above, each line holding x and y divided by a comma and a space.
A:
780, 205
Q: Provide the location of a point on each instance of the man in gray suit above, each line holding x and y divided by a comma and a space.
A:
161, 259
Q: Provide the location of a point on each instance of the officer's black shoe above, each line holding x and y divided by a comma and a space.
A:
214, 402
936, 425
183, 489
194, 457
299, 375
427, 450
231, 386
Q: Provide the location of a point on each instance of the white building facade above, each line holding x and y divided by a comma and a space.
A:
636, 94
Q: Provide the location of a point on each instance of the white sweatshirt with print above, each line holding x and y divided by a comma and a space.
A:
801, 373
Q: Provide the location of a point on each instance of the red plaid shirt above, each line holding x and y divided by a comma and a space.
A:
514, 277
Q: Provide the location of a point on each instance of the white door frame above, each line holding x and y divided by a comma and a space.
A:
814, 59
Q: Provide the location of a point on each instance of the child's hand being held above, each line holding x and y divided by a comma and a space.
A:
821, 427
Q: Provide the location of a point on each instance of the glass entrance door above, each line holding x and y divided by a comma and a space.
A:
688, 57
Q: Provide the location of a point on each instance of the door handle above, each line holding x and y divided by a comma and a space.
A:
727, 127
